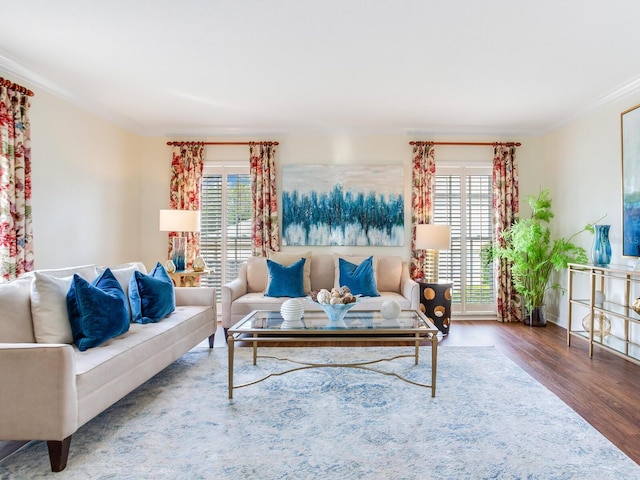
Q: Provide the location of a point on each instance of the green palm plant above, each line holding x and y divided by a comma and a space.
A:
533, 254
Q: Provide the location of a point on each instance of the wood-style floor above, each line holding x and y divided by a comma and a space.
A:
605, 390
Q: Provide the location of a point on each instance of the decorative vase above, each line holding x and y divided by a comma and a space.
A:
601, 323
601, 249
169, 266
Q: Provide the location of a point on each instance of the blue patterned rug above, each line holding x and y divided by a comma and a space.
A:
490, 419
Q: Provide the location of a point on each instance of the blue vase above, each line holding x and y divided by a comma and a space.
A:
601, 250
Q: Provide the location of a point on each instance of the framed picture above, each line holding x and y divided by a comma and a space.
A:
342, 205
630, 131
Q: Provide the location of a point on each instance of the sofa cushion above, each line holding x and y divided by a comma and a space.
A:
291, 258
359, 278
97, 310
285, 281
389, 273
151, 296
16, 325
123, 274
49, 308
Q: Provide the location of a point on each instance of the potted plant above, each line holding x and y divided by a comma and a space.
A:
533, 255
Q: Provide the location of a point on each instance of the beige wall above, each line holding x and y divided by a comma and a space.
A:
85, 186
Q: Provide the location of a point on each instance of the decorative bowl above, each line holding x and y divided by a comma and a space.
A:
336, 313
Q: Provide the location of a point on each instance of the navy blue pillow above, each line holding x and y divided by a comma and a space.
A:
285, 281
151, 296
359, 278
97, 311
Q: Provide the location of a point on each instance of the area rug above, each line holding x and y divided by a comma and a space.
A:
490, 419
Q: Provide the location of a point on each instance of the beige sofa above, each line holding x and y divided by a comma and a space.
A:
246, 293
49, 390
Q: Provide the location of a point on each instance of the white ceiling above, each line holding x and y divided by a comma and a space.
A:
237, 67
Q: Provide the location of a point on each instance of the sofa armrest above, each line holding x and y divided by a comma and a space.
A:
38, 396
411, 291
204, 296
230, 292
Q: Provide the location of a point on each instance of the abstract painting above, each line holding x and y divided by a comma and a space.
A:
343, 205
630, 126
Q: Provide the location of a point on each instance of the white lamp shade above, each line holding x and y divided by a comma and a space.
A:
433, 237
179, 220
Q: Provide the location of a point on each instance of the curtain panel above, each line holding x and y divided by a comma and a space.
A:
187, 164
266, 231
423, 178
16, 231
505, 208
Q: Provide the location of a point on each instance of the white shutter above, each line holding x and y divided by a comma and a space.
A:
462, 199
225, 231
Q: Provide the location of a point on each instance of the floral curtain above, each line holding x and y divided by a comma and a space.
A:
266, 234
16, 233
505, 208
187, 164
424, 169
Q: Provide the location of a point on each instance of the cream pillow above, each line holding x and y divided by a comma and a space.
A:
288, 259
49, 308
356, 260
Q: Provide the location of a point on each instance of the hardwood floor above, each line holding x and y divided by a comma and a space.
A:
605, 390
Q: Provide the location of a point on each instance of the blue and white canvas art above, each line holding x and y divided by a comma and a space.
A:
343, 205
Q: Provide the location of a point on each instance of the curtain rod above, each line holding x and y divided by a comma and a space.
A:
14, 86
488, 144
179, 144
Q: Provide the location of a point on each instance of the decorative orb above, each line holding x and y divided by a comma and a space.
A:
390, 309
169, 266
292, 311
601, 324
199, 264
636, 306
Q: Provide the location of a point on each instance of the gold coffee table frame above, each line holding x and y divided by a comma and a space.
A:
410, 328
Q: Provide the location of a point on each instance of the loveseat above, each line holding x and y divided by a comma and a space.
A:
49, 387
247, 292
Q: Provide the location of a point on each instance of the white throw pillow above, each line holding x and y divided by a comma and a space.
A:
49, 309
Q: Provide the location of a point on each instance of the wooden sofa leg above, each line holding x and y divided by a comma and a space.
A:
58, 453
211, 339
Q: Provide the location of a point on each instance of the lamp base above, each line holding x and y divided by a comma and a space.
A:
179, 253
431, 266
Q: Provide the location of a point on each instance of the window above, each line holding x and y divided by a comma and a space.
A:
463, 200
225, 232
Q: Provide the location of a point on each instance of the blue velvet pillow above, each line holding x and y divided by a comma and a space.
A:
359, 278
97, 311
285, 281
151, 296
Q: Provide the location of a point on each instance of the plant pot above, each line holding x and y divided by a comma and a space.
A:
536, 317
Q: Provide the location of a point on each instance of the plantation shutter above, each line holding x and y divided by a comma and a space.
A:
462, 199
225, 235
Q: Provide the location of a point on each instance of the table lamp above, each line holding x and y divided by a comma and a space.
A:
432, 238
179, 221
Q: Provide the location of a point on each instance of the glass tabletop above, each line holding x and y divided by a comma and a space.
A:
409, 321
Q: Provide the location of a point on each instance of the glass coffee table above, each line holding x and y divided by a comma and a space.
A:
410, 328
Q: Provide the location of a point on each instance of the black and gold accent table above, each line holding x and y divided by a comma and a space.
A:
435, 303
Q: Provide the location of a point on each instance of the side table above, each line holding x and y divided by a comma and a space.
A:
186, 278
435, 303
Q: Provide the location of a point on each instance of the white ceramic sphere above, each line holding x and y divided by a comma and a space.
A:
292, 310
390, 309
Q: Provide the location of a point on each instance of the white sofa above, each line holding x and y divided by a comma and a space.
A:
49, 390
246, 293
